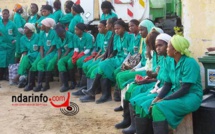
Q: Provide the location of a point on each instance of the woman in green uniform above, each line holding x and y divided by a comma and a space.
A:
182, 90
34, 14
92, 70
133, 28
8, 33
151, 65
20, 22
65, 48
107, 8
100, 47
106, 68
76, 11
47, 12
134, 108
48, 56
65, 19
145, 27
58, 13
83, 43
29, 50
125, 77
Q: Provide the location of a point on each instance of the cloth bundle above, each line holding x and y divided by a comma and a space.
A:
144, 80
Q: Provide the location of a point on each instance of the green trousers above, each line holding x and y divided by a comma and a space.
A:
116, 72
107, 67
70, 65
86, 65
24, 65
64, 62
125, 77
142, 100
43, 65
157, 115
135, 89
143, 105
80, 61
93, 71
34, 64
144, 109
90, 68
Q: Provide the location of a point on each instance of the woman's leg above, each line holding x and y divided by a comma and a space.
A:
24, 65
71, 69
64, 77
41, 72
48, 73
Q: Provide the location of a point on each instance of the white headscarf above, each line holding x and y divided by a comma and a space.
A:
165, 37
31, 27
48, 22
159, 30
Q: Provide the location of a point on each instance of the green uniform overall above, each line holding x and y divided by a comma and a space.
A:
33, 18
143, 100
38, 22
57, 15
76, 19
31, 47
186, 70
8, 34
81, 43
50, 60
122, 45
20, 22
134, 50
66, 19
93, 70
135, 89
67, 43
43, 17
125, 77
108, 16
100, 44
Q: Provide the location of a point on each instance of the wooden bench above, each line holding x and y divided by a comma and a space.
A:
186, 126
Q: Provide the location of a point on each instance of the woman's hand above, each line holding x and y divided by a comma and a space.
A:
149, 73
132, 70
157, 99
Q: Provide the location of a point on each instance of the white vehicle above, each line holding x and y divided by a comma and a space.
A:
125, 9
162, 12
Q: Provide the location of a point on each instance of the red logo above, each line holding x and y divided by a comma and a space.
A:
67, 108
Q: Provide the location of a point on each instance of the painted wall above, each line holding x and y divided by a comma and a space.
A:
198, 18
26, 3
9, 4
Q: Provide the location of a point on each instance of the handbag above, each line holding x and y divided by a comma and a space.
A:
131, 61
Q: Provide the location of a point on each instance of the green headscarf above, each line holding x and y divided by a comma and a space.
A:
181, 45
148, 24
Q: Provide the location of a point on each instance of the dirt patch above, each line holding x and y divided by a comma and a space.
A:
92, 118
